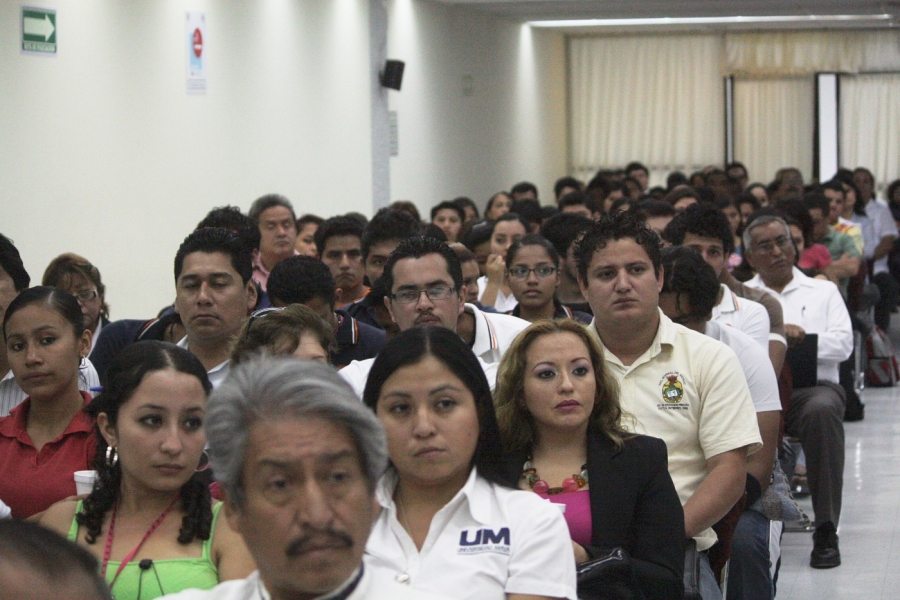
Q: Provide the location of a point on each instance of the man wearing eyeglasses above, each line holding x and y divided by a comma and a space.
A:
815, 414
425, 280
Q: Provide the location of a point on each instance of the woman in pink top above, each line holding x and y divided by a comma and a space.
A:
559, 413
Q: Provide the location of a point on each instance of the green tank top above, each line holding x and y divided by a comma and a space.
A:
165, 576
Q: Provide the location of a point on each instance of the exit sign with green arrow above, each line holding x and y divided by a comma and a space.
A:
38, 30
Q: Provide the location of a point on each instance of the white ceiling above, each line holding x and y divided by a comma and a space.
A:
532, 10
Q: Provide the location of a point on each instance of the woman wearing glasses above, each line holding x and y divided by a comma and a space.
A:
533, 274
76, 275
149, 519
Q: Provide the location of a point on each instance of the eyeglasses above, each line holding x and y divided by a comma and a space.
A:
768, 246
522, 272
440, 292
86, 295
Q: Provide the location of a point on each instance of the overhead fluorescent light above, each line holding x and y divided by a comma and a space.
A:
663, 21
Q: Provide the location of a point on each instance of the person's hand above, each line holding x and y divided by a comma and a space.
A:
495, 267
794, 334
581, 554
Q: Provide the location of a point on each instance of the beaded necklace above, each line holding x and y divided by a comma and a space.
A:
569, 484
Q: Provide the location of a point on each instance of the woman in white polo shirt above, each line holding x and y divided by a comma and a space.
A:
448, 524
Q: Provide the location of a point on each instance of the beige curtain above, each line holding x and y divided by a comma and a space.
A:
773, 125
785, 53
656, 99
659, 99
870, 125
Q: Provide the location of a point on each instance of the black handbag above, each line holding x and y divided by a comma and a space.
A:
609, 577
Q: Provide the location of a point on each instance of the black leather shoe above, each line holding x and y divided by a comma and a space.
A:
825, 554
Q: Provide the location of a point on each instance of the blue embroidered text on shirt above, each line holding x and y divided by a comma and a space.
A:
485, 540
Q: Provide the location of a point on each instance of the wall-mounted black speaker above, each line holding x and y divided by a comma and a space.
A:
392, 76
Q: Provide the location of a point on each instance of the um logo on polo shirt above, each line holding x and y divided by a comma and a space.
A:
484, 540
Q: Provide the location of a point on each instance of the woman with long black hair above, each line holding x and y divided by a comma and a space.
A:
149, 518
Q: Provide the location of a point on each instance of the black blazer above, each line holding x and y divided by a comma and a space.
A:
634, 506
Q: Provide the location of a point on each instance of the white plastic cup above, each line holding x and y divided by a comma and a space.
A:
84, 481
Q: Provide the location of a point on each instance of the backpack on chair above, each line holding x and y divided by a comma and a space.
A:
883, 370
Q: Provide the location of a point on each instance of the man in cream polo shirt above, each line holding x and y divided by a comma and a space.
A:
679, 385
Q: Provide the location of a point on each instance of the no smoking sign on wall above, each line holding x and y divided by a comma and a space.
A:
195, 30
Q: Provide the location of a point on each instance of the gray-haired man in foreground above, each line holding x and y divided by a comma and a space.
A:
298, 457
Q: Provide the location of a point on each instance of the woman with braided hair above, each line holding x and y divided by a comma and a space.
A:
149, 518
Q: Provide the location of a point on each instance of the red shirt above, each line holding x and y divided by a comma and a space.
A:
31, 481
815, 257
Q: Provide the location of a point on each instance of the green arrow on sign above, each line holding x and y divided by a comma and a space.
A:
39, 27
39, 30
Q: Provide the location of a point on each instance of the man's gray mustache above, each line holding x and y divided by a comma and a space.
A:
330, 538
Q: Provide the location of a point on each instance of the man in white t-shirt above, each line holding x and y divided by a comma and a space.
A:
424, 277
679, 385
688, 297
214, 294
299, 458
815, 414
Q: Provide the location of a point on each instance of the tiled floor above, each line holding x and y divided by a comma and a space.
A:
870, 520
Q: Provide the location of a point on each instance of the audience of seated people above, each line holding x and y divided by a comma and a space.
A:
440, 321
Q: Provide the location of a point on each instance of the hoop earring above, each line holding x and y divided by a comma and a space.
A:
203, 464
112, 457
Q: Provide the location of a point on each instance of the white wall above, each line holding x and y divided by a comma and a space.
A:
104, 154
512, 127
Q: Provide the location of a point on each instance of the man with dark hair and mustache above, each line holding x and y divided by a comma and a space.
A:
298, 458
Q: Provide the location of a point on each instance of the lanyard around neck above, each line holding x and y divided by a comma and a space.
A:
109, 540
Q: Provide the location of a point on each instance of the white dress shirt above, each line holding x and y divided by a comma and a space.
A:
357, 373
883, 226
744, 315
373, 586
487, 542
816, 306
